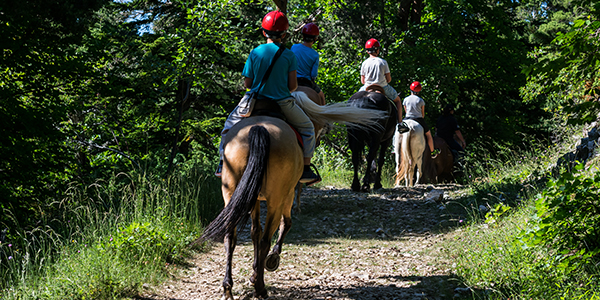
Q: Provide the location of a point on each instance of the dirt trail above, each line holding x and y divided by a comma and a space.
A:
343, 245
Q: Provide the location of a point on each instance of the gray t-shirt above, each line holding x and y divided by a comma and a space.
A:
413, 105
374, 70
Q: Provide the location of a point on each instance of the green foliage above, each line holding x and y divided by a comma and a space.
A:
565, 74
568, 217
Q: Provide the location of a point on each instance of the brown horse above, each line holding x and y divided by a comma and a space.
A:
263, 161
443, 162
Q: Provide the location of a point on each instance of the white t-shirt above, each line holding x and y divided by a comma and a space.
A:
413, 105
374, 70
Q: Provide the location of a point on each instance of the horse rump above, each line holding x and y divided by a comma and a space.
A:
246, 193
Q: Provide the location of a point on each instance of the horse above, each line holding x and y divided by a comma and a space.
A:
409, 149
375, 138
263, 161
443, 162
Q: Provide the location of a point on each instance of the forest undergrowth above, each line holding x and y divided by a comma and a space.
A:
112, 239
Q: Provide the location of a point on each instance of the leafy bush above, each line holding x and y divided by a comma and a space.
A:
144, 242
568, 217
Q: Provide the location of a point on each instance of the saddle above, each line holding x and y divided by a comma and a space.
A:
270, 108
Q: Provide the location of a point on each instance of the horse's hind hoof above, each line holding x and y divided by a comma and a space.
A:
262, 295
272, 262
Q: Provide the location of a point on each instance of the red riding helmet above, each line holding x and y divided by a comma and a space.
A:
275, 21
372, 44
416, 87
310, 29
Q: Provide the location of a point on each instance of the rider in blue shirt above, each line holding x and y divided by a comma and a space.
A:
278, 87
308, 59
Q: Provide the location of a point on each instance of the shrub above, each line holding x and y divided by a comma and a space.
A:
568, 217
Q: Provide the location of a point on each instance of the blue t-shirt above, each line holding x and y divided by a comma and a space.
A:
258, 62
308, 61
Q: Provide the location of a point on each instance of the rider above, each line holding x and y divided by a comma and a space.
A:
278, 88
415, 110
308, 59
375, 70
447, 127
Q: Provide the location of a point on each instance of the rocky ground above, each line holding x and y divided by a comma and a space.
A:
342, 245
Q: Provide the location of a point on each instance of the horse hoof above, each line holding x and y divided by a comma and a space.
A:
227, 296
261, 295
377, 186
272, 262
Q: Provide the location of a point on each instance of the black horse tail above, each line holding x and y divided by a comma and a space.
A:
245, 195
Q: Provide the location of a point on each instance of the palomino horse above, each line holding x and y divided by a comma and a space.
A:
435, 170
262, 160
409, 155
376, 138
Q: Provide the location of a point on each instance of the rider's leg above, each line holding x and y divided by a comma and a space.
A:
429, 140
296, 116
233, 118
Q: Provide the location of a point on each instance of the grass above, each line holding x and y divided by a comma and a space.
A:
491, 256
108, 240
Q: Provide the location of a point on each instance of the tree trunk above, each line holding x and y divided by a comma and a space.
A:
281, 6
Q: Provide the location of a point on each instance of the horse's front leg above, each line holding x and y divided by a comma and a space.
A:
230, 242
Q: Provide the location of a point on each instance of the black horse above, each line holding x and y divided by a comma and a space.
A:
376, 138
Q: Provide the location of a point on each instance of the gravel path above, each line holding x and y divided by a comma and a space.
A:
343, 245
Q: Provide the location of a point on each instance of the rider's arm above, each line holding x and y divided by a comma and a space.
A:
362, 79
423, 111
388, 77
248, 82
292, 81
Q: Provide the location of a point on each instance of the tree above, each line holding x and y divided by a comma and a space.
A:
43, 74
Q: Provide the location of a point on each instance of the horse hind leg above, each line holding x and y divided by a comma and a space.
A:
380, 161
371, 172
230, 242
357, 148
262, 248
272, 261
255, 233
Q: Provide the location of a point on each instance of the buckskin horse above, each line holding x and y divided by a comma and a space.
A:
375, 138
263, 161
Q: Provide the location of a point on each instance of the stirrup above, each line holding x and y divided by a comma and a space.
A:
402, 127
312, 180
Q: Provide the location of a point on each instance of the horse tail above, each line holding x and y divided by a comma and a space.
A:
406, 155
246, 193
341, 113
